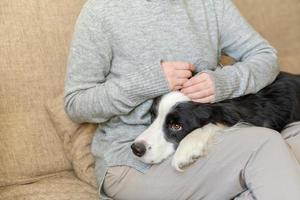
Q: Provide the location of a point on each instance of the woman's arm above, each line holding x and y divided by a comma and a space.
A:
257, 61
89, 95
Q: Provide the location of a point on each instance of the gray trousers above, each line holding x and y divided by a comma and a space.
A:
249, 163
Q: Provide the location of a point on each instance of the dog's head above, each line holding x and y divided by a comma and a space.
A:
174, 117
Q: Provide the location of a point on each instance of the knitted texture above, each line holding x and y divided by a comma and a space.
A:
114, 72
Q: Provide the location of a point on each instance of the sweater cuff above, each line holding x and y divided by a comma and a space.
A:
147, 83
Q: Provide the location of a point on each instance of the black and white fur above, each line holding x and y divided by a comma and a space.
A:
186, 127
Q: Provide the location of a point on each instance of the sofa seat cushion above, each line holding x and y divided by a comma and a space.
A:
30, 149
62, 186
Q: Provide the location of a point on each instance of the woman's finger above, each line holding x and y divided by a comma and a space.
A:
183, 73
180, 81
179, 65
194, 88
195, 80
201, 94
177, 88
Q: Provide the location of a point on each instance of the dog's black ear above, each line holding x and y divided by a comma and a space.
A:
154, 108
203, 112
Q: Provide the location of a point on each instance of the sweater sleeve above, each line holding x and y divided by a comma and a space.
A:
256, 65
90, 96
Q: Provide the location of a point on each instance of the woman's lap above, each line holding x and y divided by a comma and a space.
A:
241, 160
291, 134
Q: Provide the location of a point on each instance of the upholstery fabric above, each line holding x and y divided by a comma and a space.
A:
34, 39
278, 21
28, 150
76, 140
62, 186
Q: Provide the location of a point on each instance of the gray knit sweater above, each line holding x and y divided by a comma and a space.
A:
114, 67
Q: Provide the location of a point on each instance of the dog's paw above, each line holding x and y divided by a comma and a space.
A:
190, 149
194, 145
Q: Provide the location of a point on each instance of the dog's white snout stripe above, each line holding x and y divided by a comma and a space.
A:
157, 148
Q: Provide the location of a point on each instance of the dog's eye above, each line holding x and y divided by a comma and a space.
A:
175, 127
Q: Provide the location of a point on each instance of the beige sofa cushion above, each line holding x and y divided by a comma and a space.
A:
34, 38
62, 186
29, 151
76, 140
279, 22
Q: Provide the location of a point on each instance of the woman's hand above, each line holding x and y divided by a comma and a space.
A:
177, 73
200, 88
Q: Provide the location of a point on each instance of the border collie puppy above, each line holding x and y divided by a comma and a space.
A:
186, 127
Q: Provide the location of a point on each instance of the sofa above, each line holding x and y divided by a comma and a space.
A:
43, 155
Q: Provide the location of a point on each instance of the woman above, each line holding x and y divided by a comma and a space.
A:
125, 53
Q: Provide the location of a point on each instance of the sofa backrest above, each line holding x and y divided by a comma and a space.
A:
279, 22
35, 37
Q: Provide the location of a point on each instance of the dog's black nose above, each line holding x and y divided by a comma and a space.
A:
138, 149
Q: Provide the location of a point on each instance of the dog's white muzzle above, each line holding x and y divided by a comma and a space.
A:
151, 146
